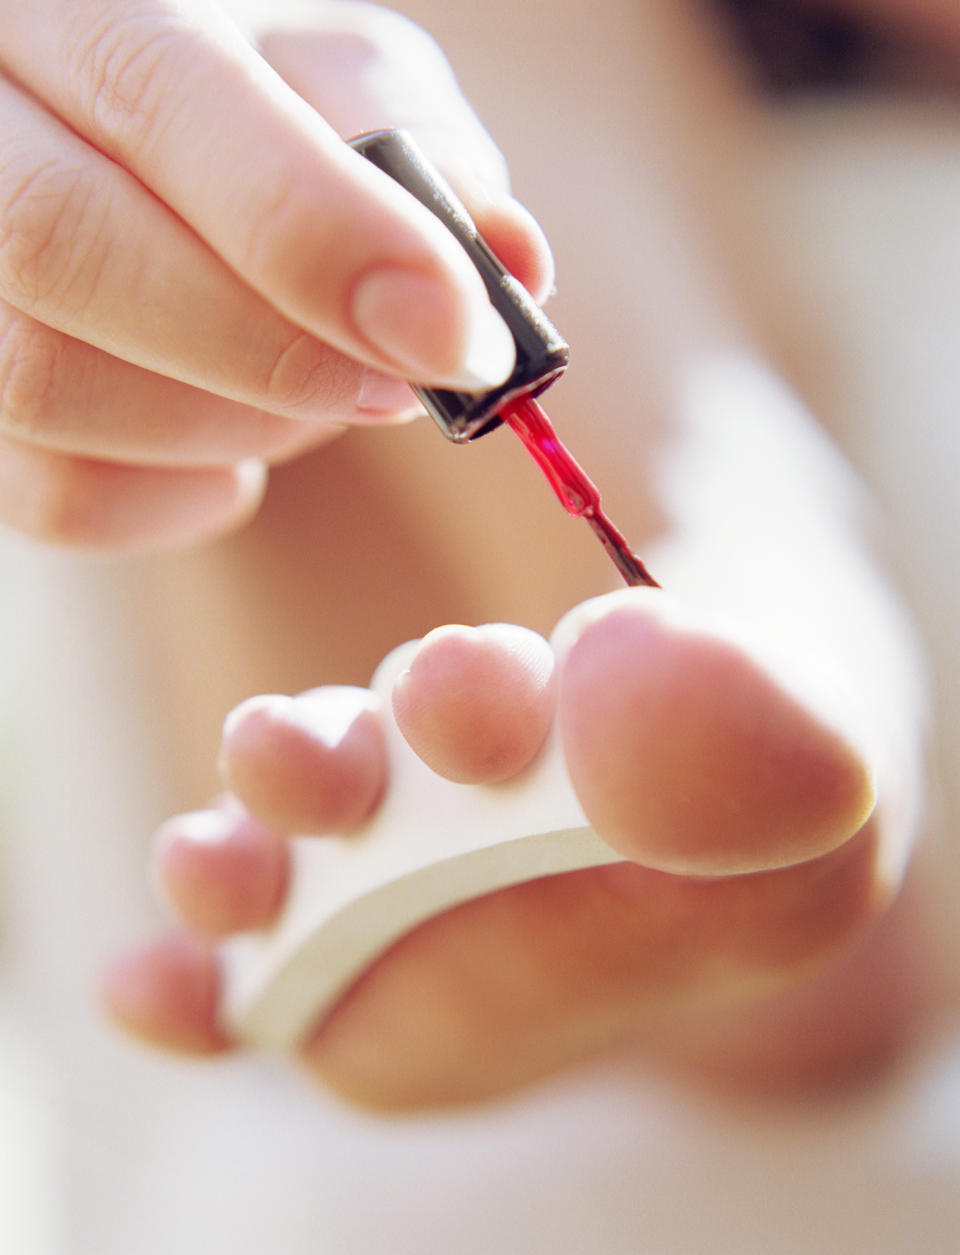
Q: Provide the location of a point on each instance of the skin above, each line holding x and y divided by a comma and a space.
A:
668, 958
251, 330
757, 899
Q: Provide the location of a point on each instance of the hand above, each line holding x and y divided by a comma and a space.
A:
197, 277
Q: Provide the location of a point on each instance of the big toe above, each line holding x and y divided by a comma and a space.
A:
690, 754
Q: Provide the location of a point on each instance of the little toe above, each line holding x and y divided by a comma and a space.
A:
690, 755
220, 870
308, 764
476, 703
167, 993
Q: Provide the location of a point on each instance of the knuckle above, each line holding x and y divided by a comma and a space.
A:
120, 62
300, 377
29, 360
46, 241
283, 218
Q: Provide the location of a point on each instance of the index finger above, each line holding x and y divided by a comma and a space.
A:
176, 94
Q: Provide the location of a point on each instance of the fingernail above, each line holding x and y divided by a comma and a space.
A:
383, 394
412, 319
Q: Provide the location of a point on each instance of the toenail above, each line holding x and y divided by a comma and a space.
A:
576, 621
327, 714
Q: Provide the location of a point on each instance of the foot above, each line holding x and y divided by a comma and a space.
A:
740, 937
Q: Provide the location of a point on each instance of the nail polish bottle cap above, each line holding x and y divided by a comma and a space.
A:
542, 353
